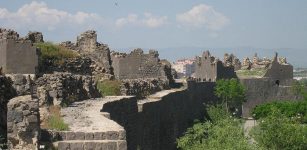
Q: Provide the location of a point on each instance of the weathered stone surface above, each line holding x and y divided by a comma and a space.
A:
143, 87
15, 51
22, 83
99, 53
65, 88
79, 65
138, 65
24, 129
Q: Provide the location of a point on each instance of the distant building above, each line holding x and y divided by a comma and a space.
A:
184, 67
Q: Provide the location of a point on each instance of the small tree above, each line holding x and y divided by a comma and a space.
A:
230, 91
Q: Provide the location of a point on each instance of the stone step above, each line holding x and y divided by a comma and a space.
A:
92, 145
98, 135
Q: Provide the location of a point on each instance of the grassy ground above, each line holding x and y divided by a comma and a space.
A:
55, 121
251, 73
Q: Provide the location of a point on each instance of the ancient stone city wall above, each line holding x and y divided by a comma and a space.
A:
156, 122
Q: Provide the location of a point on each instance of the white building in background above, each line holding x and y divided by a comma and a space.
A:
184, 67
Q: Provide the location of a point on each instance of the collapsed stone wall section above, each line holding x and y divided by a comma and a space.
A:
23, 127
88, 46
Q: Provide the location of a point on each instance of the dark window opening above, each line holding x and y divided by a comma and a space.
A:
277, 82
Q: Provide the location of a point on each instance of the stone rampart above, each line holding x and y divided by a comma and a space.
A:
125, 113
261, 90
156, 122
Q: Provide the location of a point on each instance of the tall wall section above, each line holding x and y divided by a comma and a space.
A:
155, 122
20, 56
261, 90
137, 65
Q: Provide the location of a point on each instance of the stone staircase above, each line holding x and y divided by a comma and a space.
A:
109, 140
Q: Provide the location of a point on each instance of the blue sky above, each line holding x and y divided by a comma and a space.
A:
161, 24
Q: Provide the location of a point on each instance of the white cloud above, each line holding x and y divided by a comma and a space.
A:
203, 15
148, 20
37, 15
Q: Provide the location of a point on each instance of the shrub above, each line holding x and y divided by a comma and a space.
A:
50, 51
55, 121
221, 132
109, 87
294, 109
277, 131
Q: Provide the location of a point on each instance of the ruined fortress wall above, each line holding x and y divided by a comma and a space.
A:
279, 72
124, 112
156, 122
162, 120
21, 57
264, 90
136, 65
225, 72
205, 70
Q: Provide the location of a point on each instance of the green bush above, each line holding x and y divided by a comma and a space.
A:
50, 51
277, 131
221, 132
109, 87
295, 109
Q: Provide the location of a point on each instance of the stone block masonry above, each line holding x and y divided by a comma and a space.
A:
137, 65
15, 51
23, 127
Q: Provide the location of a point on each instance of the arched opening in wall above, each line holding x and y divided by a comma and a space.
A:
209, 80
204, 80
277, 82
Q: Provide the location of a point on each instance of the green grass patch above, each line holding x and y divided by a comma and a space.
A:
55, 121
251, 73
55, 52
109, 87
